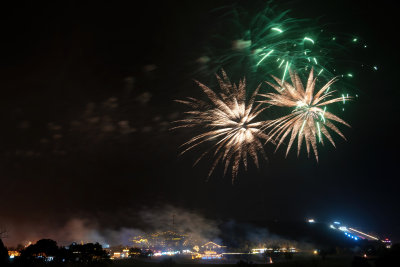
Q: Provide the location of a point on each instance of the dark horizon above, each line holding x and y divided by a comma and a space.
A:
87, 100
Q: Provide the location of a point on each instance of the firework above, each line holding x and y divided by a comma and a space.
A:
271, 42
227, 120
284, 42
309, 119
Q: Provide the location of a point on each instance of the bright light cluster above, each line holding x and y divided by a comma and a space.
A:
309, 119
228, 120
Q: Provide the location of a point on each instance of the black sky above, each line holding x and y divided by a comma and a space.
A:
87, 94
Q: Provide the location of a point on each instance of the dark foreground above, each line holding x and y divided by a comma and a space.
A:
306, 261
298, 261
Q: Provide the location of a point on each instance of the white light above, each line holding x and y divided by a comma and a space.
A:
373, 237
311, 220
343, 228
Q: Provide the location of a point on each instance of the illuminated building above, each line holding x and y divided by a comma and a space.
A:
387, 242
13, 253
116, 255
211, 246
210, 255
209, 251
120, 254
276, 250
167, 240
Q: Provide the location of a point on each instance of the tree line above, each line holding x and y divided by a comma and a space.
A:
47, 251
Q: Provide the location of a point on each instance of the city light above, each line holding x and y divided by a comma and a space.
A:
370, 236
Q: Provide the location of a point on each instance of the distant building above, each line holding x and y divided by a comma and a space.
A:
123, 254
167, 240
13, 253
209, 251
387, 242
211, 246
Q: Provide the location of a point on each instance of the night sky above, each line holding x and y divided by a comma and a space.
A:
86, 104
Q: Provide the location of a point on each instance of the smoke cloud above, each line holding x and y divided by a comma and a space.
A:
155, 219
163, 218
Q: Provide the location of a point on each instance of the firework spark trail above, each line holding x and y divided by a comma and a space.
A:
309, 119
228, 121
271, 40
